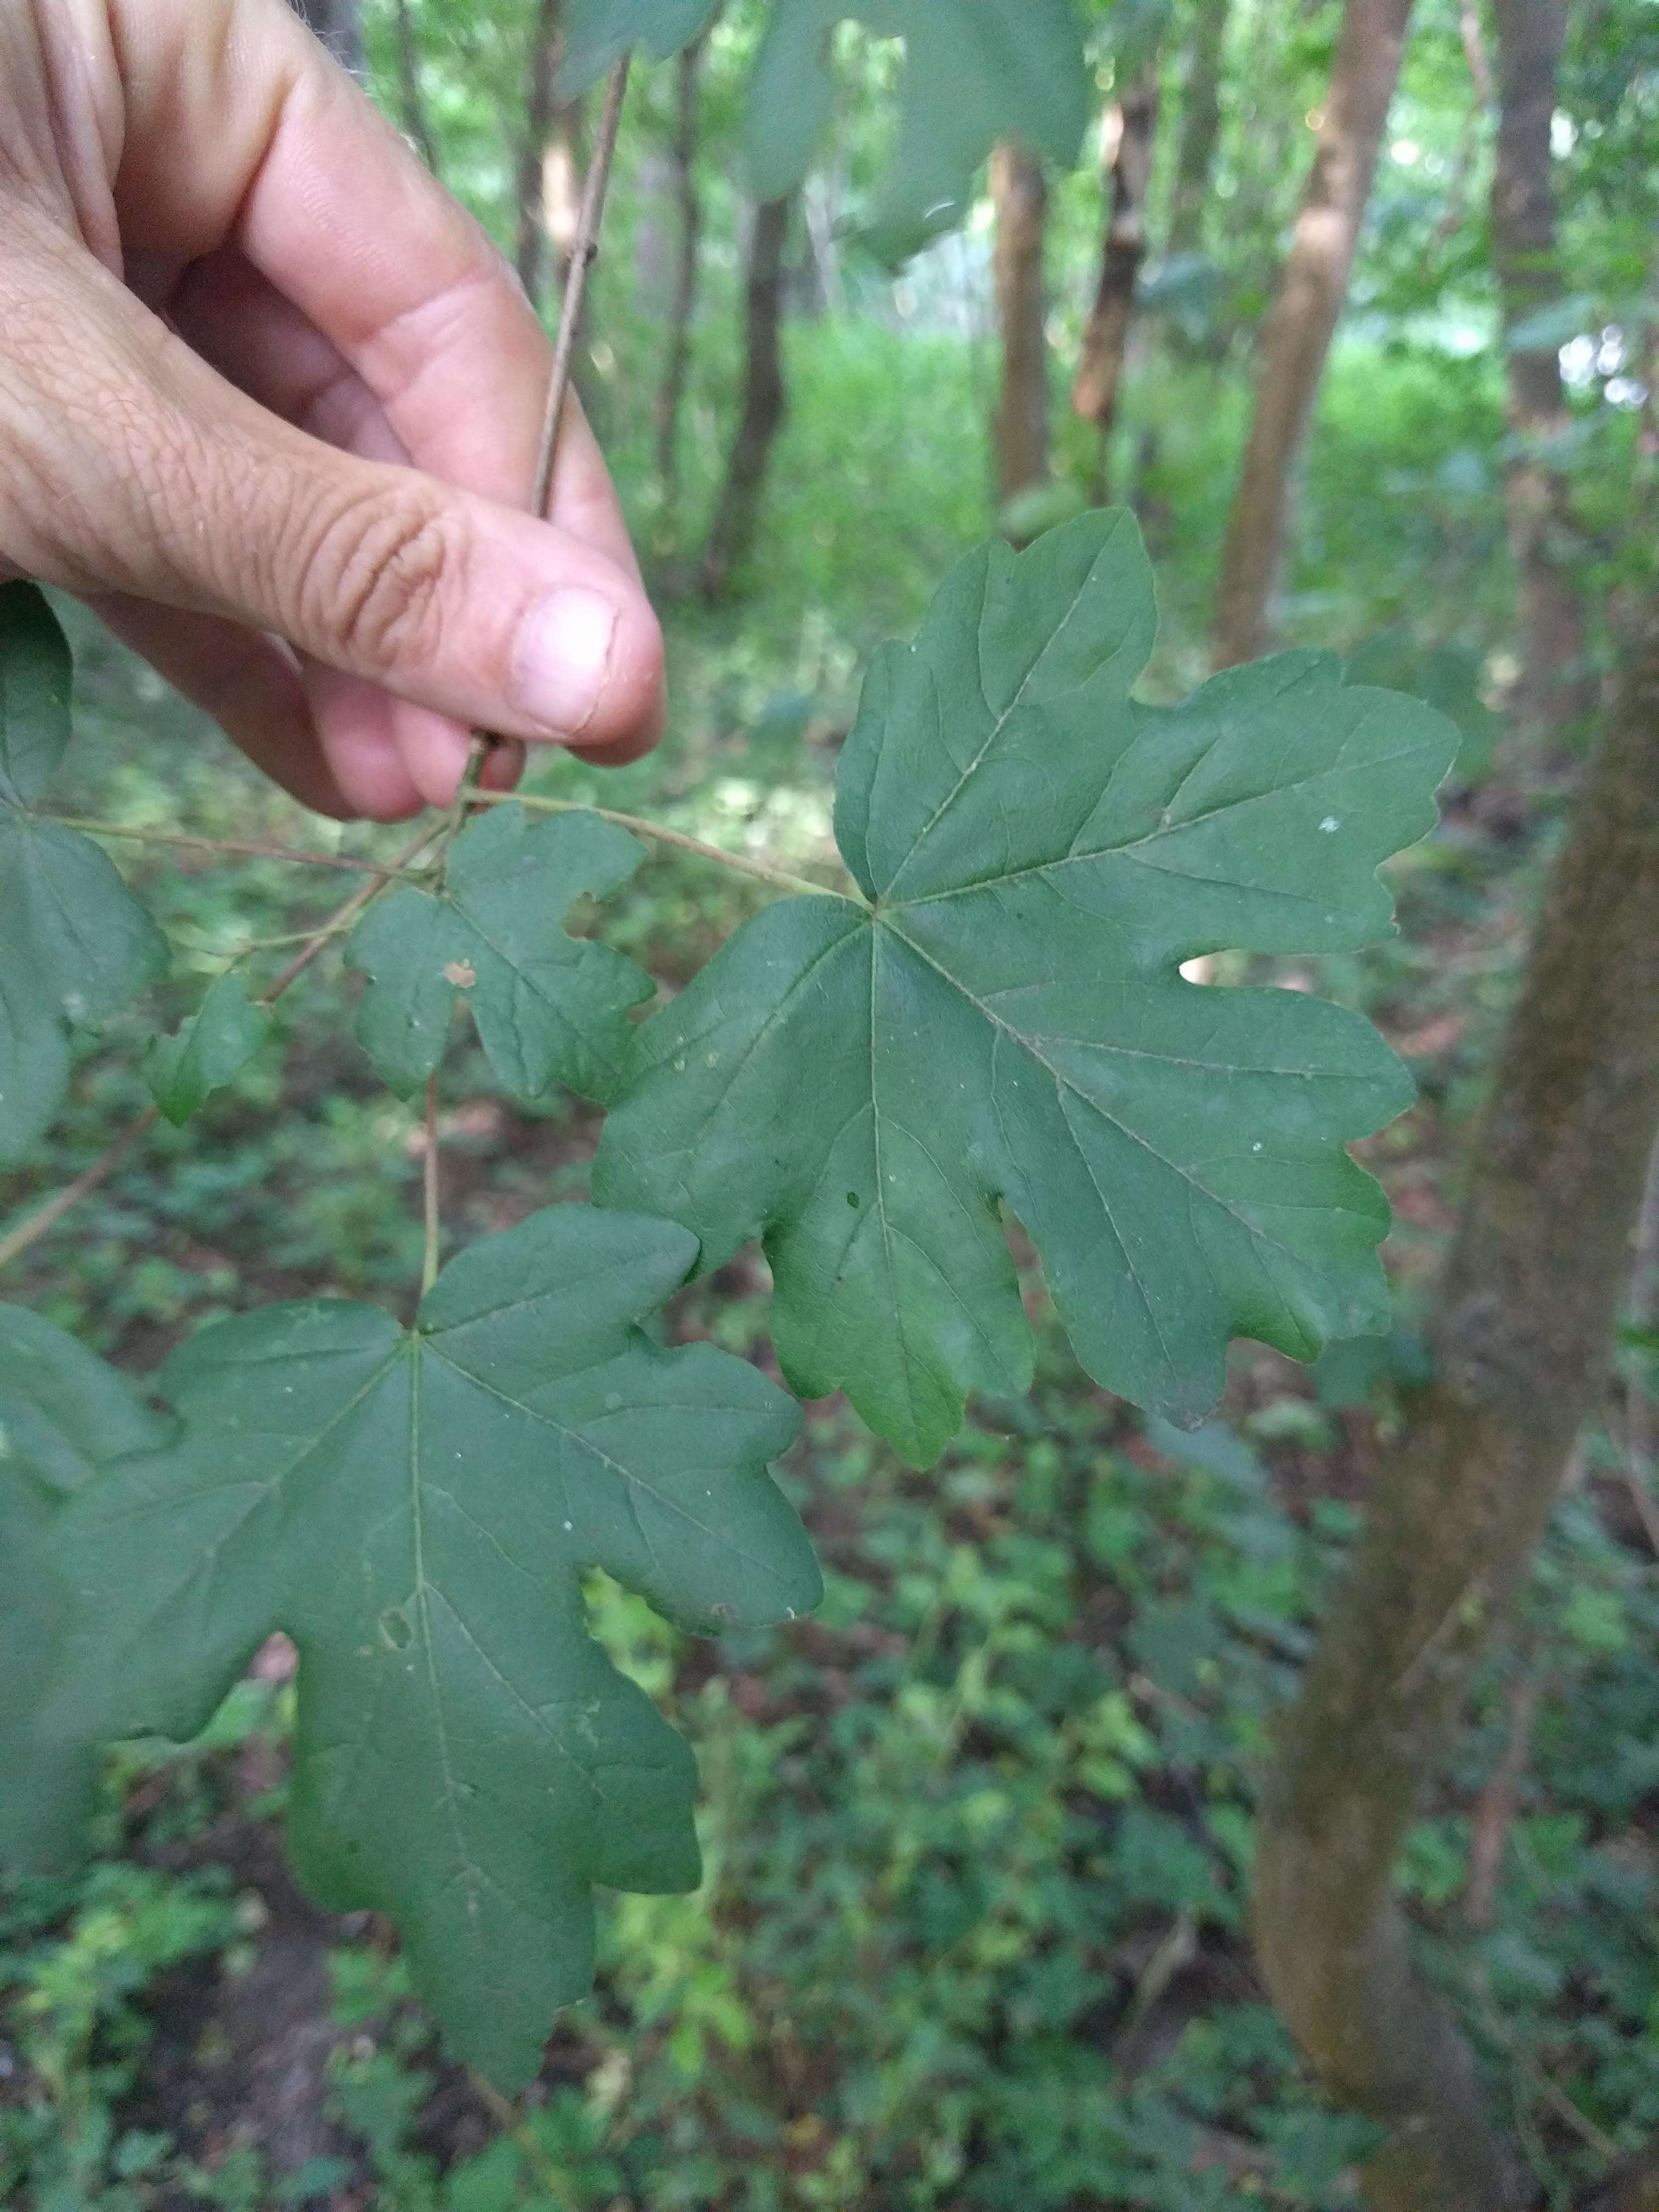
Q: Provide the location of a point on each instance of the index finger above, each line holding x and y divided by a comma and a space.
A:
240, 128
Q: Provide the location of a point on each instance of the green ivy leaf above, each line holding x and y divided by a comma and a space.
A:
975, 71
416, 1510
211, 1050
549, 1008
1006, 1022
64, 1417
75, 944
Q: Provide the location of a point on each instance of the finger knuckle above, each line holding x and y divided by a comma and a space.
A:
375, 580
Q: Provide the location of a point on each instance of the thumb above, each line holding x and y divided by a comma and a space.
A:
149, 474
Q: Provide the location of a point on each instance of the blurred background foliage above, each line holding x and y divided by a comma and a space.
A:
977, 1834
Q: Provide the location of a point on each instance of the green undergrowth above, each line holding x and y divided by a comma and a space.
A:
977, 1838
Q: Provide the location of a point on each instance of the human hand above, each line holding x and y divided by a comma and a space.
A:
269, 399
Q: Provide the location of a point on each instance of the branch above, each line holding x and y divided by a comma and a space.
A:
29, 1233
353, 863
584, 253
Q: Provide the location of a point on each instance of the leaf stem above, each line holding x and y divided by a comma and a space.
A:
236, 849
761, 870
28, 1233
433, 1184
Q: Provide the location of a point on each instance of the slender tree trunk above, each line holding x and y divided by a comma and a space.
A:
418, 124
339, 24
1200, 128
1521, 1335
764, 399
1297, 335
1020, 197
670, 395
1469, 145
1553, 692
539, 116
1128, 149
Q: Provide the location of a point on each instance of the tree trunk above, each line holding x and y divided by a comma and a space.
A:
764, 399
670, 395
1129, 160
339, 24
1553, 692
1297, 336
1200, 128
1520, 1334
1020, 197
418, 124
540, 112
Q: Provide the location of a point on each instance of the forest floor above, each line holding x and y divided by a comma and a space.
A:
977, 1835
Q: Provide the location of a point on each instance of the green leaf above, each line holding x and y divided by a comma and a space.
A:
64, 1416
975, 71
599, 32
36, 677
1448, 676
209, 1051
1007, 1021
75, 944
549, 1008
416, 1510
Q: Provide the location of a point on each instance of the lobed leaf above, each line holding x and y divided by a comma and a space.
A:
75, 944
975, 71
549, 1008
64, 1417
1005, 1021
416, 1510
210, 1050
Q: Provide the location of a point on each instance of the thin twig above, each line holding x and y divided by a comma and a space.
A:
1500, 1802
780, 878
30, 1232
356, 864
432, 1184
583, 253
344, 917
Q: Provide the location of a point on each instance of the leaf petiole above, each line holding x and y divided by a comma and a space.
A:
761, 870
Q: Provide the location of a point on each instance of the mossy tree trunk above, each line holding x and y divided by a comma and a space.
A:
1519, 1335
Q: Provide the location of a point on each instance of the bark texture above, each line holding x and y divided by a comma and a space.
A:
1099, 380
1020, 197
1200, 128
339, 24
1553, 692
765, 399
1297, 338
1521, 1336
670, 394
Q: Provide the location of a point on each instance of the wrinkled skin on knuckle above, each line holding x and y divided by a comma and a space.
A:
372, 575
66, 421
